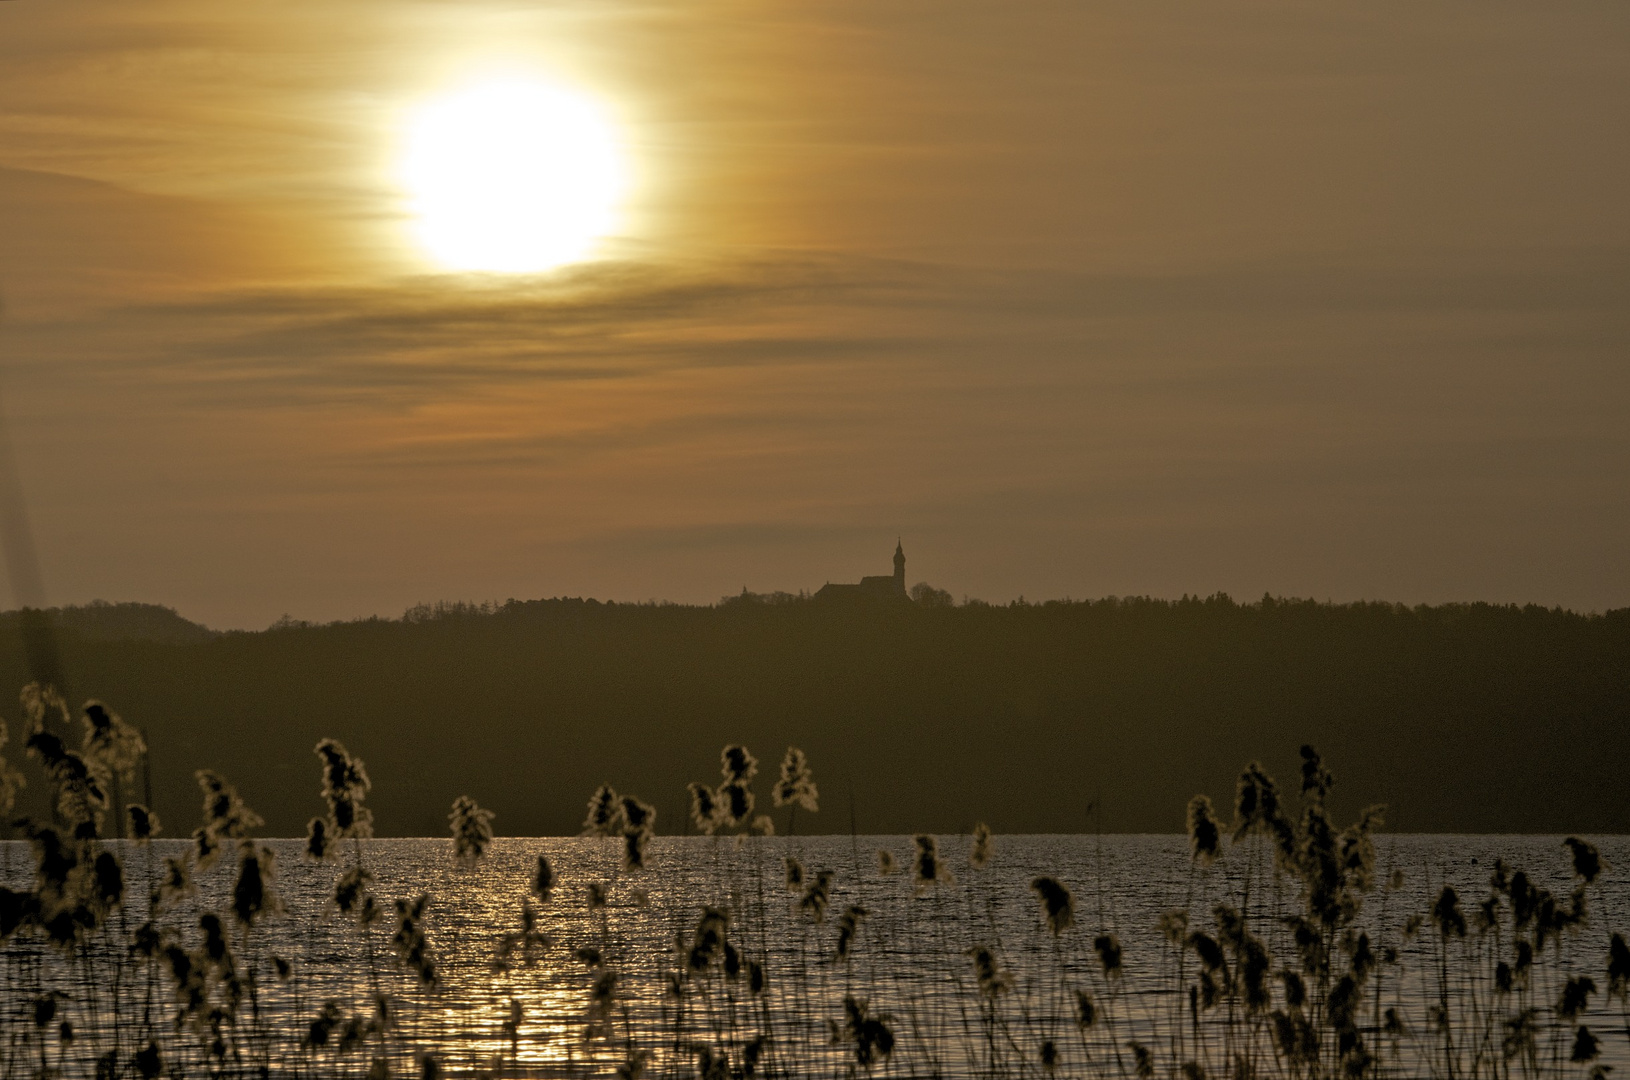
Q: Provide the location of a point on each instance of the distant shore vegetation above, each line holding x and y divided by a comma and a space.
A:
933, 714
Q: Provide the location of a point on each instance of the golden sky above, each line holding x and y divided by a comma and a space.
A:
1077, 298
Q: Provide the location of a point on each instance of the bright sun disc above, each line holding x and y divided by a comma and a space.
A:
512, 176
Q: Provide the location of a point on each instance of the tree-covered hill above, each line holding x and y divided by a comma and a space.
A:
1462, 718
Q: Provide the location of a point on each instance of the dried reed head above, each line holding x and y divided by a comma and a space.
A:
318, 843
639, 825
225, 815
988, 972
11, 781
114, 743
1355, 850
797, 783
634, 847
1587, 862
983, 848
929, 869
472, 831
848, 927
252, 893
870, 1035
705, 811
543, 879
764, 825
1086, 1010
345, 785
107, 881
735, 801
42, 705
817, 895
353, 894
1618, 967
795, 874
1057, 904
605, 813
886, 864
737, 765
1108, 948
1575, 997
1446, 914
1316, 779
80, 783
1204, 835
410, 944
144, 823
175, 881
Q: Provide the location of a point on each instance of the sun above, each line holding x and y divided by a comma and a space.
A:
512, 175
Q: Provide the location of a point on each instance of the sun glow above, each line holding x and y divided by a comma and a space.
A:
512, 175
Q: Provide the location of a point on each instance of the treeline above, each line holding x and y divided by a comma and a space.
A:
1052, 717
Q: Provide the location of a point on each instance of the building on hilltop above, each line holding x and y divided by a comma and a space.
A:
877, 587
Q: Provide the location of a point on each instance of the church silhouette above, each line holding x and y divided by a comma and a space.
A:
876, 587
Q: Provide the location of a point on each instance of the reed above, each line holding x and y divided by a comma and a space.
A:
122, 960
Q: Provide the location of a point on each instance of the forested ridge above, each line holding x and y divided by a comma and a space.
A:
1461, 717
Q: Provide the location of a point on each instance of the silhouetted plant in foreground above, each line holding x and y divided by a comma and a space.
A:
1291, 956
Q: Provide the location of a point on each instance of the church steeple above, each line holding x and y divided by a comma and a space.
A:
899, 567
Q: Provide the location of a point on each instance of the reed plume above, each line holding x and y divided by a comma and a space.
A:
409, 942
353, 895
11, 781
848, 927
1587, 862
988, 973
1057, 904
1255, 802
144, 823
870, 1035
345, 786
1108, 948
472, 831
705, 811
252, 893
1316, 779
226, 816
317, 839
1446, 914
1086, 1010
795, 874
1204, 834
605, 813
797, 783
639, 825
529, 940
735, 801
929, 869
817, 895
983, 849
1575, 997
886, 864
543, 879
737, 764
107, 738
80, 783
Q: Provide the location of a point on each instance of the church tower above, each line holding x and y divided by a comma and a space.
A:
899, 568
